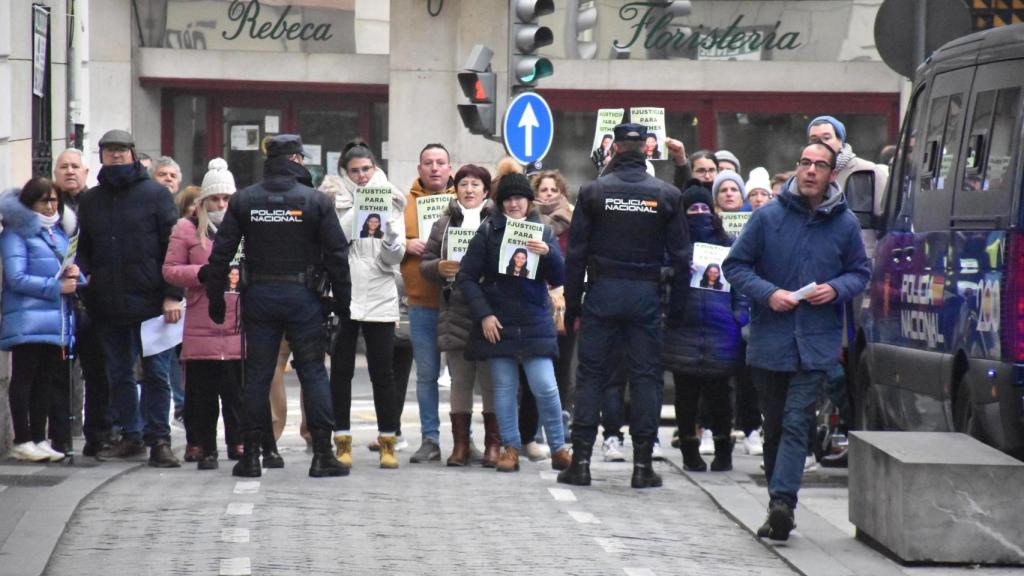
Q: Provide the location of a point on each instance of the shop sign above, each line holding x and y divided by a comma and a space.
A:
247, 17
655, 32
40, 30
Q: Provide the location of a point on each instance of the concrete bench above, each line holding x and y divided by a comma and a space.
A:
937, 497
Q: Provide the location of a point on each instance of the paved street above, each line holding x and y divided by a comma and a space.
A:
420, 519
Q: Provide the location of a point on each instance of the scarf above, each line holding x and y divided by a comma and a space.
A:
556, 213
49, 222
471, 216
701, 227
844, 157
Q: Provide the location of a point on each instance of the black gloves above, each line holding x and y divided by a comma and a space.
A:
217, 307
204, 274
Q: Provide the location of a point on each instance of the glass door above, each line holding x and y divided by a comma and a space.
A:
245, 130
324, 134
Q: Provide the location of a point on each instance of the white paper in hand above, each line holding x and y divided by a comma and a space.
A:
804, 292
158, 336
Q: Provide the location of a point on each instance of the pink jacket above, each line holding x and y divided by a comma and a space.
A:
204, 340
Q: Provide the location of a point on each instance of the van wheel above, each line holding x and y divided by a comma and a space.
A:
963, 410
867, 415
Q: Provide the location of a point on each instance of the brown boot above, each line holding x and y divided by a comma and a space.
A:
562, 459
492, 440
460, 434
509, 460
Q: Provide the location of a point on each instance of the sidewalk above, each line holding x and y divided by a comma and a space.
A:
824, 541
38, 500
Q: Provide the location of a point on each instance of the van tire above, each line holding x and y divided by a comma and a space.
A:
867, 415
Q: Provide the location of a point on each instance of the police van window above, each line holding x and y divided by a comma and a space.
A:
906, 165
988, 176
933, 202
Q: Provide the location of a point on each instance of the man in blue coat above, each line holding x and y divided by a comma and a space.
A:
798, 259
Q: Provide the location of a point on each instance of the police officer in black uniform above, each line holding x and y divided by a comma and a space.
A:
292, 236
625, 224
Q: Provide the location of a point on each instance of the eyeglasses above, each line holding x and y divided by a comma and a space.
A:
50, 200
703, 171
806, 164
115, 148
361, 170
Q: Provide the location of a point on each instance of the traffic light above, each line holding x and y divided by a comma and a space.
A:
579, 30
478, 84
525, 66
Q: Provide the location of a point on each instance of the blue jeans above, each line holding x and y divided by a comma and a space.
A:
787, 401
270, 311
540, 374
619, 313
144, 416
423, 333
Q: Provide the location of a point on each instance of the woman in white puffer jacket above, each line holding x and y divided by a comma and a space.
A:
374, 306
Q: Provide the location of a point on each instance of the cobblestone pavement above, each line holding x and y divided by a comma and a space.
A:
420, 519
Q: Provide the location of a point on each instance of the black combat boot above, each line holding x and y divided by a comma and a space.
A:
723, 454
690, 447
271, 457
578, 472
644, 475
324, 463
248, 466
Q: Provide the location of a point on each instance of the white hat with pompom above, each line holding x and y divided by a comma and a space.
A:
218, 180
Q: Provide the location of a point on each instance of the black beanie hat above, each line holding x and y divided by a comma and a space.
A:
514, 184
695, 194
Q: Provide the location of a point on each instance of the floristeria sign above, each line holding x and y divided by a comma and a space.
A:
656, 33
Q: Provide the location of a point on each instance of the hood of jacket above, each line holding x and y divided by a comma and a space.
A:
281, 166
629, 165
122, 176
418, 190
17, 216
834, 202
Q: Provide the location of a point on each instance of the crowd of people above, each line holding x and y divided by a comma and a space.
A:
254, 273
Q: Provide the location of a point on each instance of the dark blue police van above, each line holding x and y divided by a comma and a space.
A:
940, 342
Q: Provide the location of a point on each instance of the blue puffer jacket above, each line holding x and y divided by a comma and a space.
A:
706, 341
34, 312
786, 245
521, 305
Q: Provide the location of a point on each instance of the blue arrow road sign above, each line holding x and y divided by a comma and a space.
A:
529, 128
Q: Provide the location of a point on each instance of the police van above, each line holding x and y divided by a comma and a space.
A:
940, 342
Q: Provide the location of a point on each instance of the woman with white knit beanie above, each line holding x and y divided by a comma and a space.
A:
212, 353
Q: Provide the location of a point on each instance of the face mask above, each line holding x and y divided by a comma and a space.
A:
216, 217
701, 227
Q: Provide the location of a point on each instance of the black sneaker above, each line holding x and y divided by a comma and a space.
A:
124, 448
208, 461
779, 523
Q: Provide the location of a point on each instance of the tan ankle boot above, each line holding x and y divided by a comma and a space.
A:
343, 449
387, 452
492, 440
509, 460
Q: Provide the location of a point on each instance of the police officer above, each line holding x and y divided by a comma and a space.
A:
291, 237
624, 224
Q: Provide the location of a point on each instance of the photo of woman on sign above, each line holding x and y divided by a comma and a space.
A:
712, 277
371, 227
517, 263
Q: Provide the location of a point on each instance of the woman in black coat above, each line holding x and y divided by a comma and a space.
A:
514, 321
703, 348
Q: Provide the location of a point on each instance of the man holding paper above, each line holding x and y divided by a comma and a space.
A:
798, 259
428, 198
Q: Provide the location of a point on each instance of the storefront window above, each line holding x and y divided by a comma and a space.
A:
244, 131
312, 26
774, 140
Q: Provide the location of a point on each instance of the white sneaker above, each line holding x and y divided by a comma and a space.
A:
536, 452
55, 456
754, 444
400, 444
28, 452
656, 451
612, 449
810, 463
707, 443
